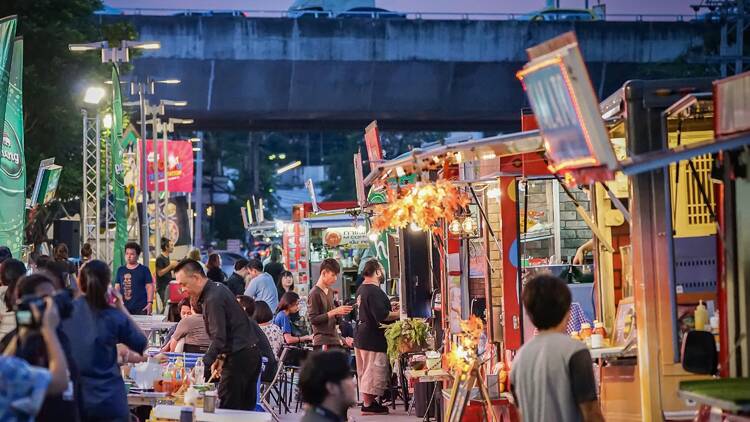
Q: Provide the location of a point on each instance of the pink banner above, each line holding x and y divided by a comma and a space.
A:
179, 165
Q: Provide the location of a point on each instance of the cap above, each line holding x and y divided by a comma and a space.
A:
5, 253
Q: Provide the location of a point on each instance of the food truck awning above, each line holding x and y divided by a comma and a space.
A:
338, 220
470, 150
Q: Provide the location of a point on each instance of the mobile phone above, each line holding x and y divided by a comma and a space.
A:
24, 318
111, 296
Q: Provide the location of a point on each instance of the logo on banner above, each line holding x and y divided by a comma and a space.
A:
10, 157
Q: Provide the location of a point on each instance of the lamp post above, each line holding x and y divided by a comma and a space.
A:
91, 169
117, 55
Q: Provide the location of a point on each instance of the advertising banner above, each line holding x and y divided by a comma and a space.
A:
179, 165
12, 162
7, 34
117, 172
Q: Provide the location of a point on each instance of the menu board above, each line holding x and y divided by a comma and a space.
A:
559, 90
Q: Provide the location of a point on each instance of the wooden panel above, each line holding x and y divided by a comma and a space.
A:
619, 391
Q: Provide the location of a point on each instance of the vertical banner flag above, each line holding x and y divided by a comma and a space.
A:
7, 34
118, 173
12, 162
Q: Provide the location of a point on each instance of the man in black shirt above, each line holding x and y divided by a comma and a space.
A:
369, 342
236, 281
164, 269
233, 354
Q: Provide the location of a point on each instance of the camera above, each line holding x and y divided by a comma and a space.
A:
62, 299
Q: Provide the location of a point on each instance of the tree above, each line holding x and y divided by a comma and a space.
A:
54, 80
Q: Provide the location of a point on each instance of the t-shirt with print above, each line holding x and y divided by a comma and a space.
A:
283, 321
552, 374
374, 308
133, 287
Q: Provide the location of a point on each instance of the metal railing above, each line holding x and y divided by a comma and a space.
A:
310, 14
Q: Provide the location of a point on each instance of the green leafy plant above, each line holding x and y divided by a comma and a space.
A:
406, 335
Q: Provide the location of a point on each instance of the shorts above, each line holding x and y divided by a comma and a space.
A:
373, 371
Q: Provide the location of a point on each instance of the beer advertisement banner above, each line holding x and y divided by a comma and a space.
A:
118, 173
179, 165
7, 34
12, 162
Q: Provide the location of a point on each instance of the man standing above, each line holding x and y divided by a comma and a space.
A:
261, 286
135, 282
236, 281
322, 311
164, 269
370, 344
552, 376
327, 385
233, 353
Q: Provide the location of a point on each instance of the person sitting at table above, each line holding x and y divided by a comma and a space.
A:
289, 305
264, 317
193, 330
185, 310
264, 345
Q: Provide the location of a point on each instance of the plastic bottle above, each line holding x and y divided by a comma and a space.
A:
701, 316
199, 372
574, 335
585, 333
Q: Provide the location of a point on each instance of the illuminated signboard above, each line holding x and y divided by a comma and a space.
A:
567, 111
372, 141
732, 105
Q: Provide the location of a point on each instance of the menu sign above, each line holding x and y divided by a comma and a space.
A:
732, 105
561, 96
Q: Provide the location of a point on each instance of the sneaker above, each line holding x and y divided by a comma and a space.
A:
374, 409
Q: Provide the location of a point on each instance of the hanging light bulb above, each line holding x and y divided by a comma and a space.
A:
414, 227
373, 237
455, 227
469, 225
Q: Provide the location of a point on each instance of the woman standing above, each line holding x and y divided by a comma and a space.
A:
286, 283
369, 342
98, 323
289, 305
214, 269
11, 270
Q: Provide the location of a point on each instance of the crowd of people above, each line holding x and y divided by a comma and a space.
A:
86, 313
66, 329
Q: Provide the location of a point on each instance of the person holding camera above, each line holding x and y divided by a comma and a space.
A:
24, 386
28, 343
99, 322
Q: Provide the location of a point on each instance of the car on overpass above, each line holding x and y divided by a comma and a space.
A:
371, 12
557, 14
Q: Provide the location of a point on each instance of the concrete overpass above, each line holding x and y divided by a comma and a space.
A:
314, 74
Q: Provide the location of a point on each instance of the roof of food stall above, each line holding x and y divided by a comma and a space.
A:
335, 220
470, 150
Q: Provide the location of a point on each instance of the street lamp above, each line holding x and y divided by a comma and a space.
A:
107, 121
93, 95
117, 55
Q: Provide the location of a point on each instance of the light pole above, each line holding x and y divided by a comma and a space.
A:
198, 148
91, 169
117, 55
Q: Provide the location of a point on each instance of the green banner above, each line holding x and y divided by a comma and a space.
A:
7, 34
118, 174
12, 162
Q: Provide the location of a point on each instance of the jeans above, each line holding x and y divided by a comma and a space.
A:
239, 378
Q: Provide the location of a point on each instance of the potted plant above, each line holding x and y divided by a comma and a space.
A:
407, 335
